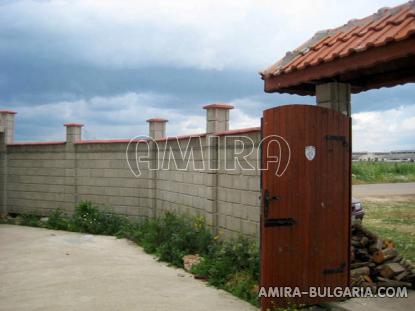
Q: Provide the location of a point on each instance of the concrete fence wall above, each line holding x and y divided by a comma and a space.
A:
41, 177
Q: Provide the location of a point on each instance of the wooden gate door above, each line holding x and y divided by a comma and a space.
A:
306, 194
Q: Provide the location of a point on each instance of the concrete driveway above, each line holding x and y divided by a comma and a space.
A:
55, 270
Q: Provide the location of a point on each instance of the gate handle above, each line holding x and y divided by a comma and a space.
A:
267, 201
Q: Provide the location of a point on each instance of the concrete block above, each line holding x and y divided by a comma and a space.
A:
250, 198
253, 213
240, 182
254, 183
238, 210
209, 219
221, 221
67, 189
208, 205
210, 192
222, 194
229, 234
236, 196
119, 209
224, 208
249, 228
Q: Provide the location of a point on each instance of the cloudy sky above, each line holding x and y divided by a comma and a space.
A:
113, 64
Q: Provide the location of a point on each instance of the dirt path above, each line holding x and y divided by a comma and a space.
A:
55, 270
383, 190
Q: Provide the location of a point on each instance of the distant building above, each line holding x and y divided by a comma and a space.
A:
392, 156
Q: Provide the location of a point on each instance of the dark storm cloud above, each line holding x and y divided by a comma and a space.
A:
52, 51
113, 64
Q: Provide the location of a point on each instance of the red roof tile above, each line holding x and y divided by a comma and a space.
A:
386, 26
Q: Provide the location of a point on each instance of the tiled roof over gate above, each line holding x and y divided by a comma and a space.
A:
384, 27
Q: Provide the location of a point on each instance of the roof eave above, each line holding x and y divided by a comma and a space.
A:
294, 81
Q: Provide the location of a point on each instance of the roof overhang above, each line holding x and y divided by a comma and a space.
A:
367, 53
388, 65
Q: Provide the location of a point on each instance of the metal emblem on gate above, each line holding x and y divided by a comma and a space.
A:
310, 152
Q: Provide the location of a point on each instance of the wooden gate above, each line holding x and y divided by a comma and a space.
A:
306, 194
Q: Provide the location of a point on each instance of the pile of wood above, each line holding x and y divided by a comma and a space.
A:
376, 262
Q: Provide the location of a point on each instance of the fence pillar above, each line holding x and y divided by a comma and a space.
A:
7, 125
73, 135
157, 128
217, 120
73, 132
217, 117
334, 95
3, 174
6, 137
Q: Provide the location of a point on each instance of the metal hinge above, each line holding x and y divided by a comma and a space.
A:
339, 269
279, 222
338, 138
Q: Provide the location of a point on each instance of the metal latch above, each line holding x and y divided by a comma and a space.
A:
339, 269
279, 222
267, 200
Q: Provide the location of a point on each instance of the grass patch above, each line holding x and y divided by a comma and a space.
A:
231, 265
394, 220
382, 172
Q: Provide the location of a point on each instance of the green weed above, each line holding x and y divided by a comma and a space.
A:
88, 218
58, 220
232, 265
30, 219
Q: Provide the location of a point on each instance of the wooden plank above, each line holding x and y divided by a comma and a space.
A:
360, 271
391, 269
383, 255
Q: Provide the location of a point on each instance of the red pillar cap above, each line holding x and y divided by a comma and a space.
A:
8, 111
73, 124
157, 120
218, 106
